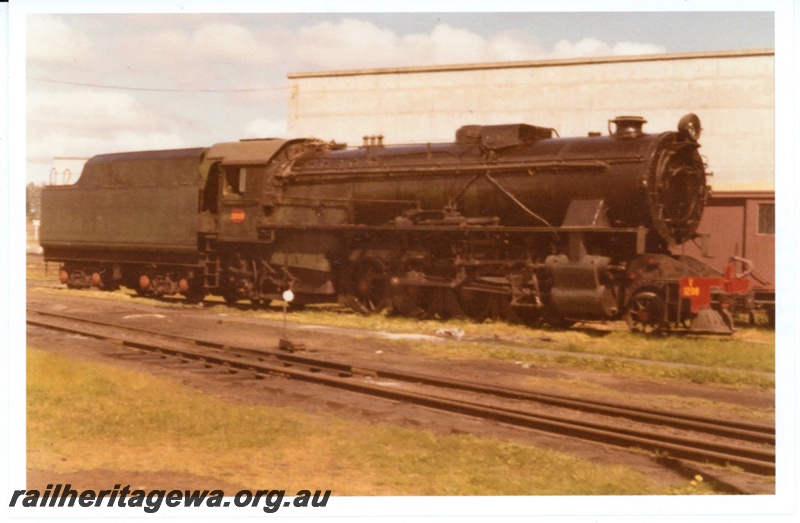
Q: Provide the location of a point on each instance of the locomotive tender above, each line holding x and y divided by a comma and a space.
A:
508, 221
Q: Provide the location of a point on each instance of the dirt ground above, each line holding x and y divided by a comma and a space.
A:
220, 323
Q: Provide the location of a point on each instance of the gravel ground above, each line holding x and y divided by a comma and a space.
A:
220, 323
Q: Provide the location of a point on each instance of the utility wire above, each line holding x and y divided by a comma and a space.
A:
124, 88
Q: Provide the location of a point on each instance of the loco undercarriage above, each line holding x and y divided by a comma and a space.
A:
538, 276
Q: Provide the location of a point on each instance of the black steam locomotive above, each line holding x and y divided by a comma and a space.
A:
508, 221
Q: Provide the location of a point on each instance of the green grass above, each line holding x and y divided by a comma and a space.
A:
749, 349
93, 416
737, 375
35, 270
744, 359
611, 391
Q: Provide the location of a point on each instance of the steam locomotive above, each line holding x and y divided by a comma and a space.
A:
508, 221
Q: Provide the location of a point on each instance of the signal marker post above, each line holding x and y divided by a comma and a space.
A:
284, 343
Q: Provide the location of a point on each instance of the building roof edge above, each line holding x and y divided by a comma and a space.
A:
559, 62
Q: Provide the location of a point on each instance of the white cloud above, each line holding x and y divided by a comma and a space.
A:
161, 46
631, 48
85, 123
595, 47
355, 44
583, 47
90, 111
264, 128
447, 44
51, 40
211, 56
344, 44
512, 45
229, 42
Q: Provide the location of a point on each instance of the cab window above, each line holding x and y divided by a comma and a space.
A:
234, 182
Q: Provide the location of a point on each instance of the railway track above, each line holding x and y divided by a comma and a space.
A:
749, 446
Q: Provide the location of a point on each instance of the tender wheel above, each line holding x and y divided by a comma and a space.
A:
192, 290
231, 296
143, 287
194, 297
367, 287
645, 312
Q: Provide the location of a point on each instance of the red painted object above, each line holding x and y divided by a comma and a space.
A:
698, 290
237, 216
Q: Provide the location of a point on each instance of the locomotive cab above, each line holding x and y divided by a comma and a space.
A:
234, 174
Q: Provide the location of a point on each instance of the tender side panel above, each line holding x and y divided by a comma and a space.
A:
129, 202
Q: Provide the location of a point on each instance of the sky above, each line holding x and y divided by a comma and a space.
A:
100, 83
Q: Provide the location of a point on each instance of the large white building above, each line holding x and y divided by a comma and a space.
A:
731, 92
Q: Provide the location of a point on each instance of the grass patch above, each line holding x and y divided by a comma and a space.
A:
743, 360
747, 350
35, 269
608, 392
616, 364
86, 416
727, 359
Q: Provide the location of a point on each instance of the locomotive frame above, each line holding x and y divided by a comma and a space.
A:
508, 221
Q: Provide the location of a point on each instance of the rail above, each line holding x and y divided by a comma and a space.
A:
749, 446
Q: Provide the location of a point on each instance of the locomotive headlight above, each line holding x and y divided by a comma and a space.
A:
689, 126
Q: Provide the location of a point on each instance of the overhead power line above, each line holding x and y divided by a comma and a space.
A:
156, 90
